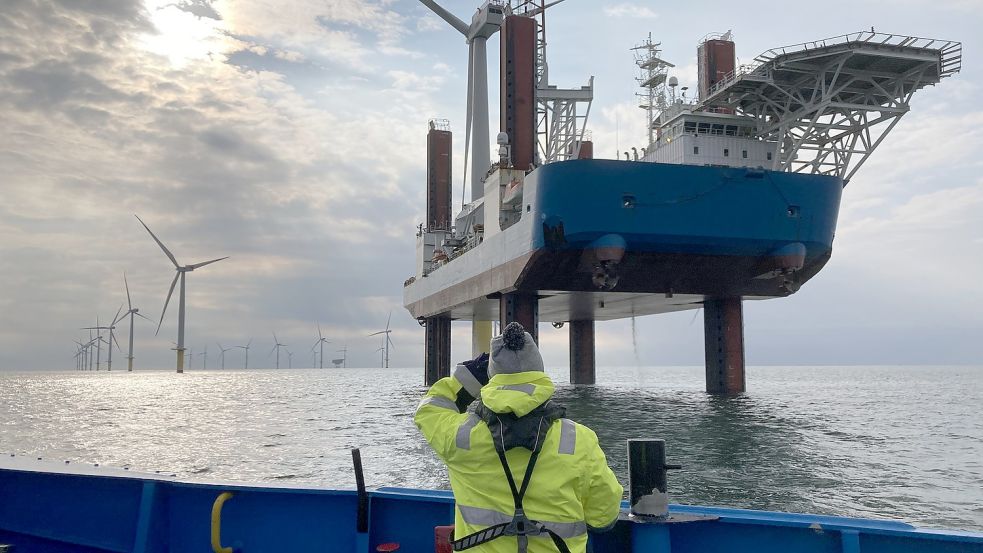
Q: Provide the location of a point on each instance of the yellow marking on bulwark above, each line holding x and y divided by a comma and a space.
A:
217, 523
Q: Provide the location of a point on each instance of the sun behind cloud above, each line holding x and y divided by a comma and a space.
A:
186, 31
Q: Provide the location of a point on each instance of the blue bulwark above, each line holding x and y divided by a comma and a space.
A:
53, 509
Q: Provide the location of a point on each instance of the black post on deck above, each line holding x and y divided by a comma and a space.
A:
582, 362
647, 488
437, 351
723, 326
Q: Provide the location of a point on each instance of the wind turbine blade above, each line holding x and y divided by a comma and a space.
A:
390, 340
117, 318
202, 264
467, 118
271, 351
119, 349
167, 301
159, 243
380, 332
318, 329
249, 342
144, 316
447, 16
129, 304
389, 320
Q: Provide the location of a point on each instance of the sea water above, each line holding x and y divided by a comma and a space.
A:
889, 442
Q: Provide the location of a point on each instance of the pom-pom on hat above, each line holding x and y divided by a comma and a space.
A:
514, 352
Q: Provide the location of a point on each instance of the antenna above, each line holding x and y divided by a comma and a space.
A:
653, 73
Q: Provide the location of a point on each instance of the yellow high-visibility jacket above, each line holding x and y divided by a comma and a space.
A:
572, 488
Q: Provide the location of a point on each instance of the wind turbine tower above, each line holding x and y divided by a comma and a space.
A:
485, 22
181, 271
387, 341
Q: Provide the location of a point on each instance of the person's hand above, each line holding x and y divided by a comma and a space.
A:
479, 368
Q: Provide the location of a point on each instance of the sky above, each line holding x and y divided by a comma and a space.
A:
290, 136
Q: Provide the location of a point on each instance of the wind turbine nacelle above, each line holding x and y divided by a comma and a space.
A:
487, 20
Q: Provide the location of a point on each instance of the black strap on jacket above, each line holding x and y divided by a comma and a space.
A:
520, 526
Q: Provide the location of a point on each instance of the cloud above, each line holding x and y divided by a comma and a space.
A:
292, 138
628, 10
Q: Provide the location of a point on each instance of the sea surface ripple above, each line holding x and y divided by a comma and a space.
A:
886, 442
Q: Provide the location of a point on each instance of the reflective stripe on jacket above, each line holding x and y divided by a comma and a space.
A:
572, 487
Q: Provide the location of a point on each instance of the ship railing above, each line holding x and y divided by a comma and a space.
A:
950, 53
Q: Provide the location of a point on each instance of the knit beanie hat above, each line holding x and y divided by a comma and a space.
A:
514, 352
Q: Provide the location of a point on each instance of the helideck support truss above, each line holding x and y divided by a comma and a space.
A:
828, 104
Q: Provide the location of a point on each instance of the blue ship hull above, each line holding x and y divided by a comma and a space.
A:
681, 231
688, 229
55, 508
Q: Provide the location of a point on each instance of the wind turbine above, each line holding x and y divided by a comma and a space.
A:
344, 358
132, 312
382, 348
386, 343
485, 22
204, 358
222, 356
321, 340
246, 347
181, 270
290, 359
276, 345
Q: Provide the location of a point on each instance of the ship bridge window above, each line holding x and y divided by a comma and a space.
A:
730, 130
690, 126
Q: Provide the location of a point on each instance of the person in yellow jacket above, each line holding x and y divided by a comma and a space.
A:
525, 479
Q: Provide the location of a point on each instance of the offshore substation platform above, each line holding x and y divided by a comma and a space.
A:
734, 198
